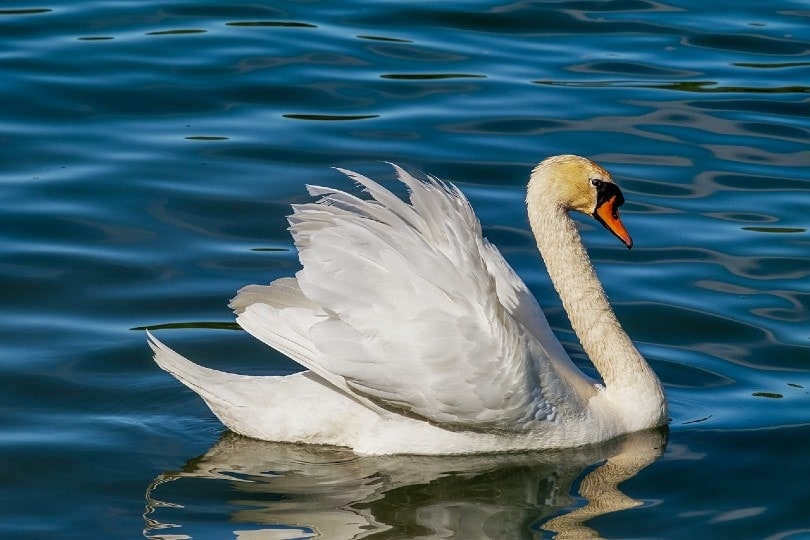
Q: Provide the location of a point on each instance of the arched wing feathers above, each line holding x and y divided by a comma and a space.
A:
399, 305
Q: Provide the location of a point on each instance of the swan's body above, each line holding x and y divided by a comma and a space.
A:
418, 336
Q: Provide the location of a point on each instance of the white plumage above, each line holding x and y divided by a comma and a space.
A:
419, 338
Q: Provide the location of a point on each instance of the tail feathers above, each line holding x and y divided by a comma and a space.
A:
227, 394
293, 408
245, 404
206, 382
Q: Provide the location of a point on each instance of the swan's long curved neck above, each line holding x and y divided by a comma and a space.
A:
626, 374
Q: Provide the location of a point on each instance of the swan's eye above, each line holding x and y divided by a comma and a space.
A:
595, 182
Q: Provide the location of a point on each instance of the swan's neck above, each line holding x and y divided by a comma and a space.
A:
629, 380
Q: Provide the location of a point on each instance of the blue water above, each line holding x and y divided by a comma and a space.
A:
150, 152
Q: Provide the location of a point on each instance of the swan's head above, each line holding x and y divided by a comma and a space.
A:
576, 183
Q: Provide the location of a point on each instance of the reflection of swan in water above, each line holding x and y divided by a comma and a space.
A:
277, 491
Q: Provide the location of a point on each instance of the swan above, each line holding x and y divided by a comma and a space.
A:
418, 337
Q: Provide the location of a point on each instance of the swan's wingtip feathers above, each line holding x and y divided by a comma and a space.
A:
428, 180
411, 182
407, 178
397, 169
353, 175
315, 190
344, 171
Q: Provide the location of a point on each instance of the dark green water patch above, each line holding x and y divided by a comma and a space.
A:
206, 138
777, 230
329, 117
429, 76
196, 325
271, 24
769, 395
25, 11
177, 32
383, 38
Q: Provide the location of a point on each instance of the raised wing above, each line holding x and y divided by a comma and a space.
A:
400, 306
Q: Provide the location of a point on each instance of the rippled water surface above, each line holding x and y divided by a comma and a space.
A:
151, 150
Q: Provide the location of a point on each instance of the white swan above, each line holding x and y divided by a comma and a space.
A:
419, 338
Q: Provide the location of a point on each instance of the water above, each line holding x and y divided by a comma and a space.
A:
151, 150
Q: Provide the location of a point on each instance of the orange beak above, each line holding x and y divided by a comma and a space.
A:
607, 214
